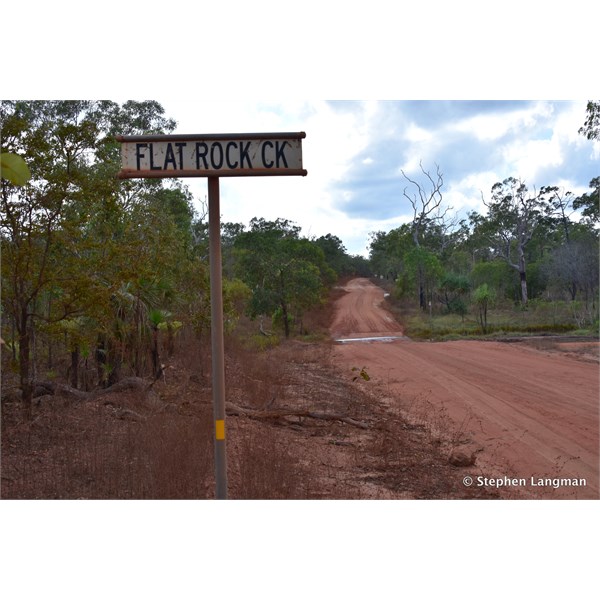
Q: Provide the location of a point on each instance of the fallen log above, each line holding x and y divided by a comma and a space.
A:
43, 388
235, 410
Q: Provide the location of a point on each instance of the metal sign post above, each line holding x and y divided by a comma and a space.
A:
217, 343
213, 156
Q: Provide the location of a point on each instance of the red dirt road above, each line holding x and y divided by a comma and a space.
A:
531, 418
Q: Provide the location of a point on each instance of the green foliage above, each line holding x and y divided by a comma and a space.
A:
286, 273
334, 253
423, 269
14, 168
173, 326
497, 275
158, 317
79, 246
591, 127
262, 342
236, 295
458, 306
527, 246
514, 216
590, 202
483, 296
387, 251
452, 289
337, 258
362, 374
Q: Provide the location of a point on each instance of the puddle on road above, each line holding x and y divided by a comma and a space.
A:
385, 338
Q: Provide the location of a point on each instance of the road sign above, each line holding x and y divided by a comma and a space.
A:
211, 155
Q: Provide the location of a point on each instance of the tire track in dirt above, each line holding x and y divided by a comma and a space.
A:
527, 413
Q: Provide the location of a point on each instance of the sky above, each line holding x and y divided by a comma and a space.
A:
356, 151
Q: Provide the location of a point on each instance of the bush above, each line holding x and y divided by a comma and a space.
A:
458, 306
483, 297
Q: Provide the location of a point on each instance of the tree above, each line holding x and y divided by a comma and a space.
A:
453, 288
287, 274
590, 202
387, 250
499, 277
591, 127
513, 215
422, 271
335, 254
33, 240
574, 267
426, 203
59, 232
483, 297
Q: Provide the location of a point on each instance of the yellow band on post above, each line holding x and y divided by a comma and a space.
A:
220, 429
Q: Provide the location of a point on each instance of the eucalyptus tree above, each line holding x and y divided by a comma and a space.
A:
423, 271
428, 210
426, 202
513, 216
287, 274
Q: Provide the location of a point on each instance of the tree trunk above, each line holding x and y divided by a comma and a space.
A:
50, 344
115, 360
523, 276
524, 297
24, 364
170, 340
12, 338
286, 325
75, 367
155, 356
101, 360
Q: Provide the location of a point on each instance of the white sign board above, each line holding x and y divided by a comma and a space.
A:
214, 155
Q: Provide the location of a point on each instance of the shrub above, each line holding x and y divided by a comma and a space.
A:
483, 297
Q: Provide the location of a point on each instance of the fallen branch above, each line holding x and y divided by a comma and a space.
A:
235, 410
42, 388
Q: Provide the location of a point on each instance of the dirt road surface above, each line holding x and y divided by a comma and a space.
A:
529, 418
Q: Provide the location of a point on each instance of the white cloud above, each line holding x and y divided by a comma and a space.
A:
526, 159
466, 194
494, 126
417, 134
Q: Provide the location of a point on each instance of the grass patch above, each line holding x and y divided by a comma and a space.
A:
506, 321
261, 342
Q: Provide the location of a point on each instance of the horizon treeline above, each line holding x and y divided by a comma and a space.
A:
531, 245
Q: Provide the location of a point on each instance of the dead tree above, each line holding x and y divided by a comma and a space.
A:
427, 209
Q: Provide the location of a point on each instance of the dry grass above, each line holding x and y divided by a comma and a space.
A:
128, 445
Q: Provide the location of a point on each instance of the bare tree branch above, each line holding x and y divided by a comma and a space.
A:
428, 202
